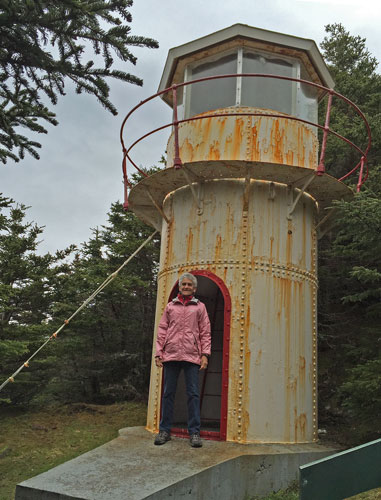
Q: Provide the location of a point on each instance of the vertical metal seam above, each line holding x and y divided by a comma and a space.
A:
242, 345
314, 339
248, 139
163, 303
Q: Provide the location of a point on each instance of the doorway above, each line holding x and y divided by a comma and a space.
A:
213, 382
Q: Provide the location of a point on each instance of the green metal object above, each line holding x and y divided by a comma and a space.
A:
342, 475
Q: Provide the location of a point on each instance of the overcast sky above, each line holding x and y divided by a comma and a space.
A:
71, 188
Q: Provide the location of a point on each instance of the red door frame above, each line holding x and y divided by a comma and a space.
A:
213, 435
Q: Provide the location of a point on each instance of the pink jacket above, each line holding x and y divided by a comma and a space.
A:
184, 332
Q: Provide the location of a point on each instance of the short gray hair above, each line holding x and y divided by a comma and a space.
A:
188, 276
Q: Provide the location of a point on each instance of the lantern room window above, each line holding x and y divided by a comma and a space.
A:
292, 98
213, 94
267, 93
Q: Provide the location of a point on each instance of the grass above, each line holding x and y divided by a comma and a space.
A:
292, 493
369, 495
33, 442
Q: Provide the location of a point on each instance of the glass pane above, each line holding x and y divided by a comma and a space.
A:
266, 93
213, 94
307, 99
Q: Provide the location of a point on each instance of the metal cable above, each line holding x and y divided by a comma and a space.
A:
106, 282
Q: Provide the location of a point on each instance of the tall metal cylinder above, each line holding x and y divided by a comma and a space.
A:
268, 262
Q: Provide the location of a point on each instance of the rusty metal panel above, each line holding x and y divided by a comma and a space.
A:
242, 234
250, 138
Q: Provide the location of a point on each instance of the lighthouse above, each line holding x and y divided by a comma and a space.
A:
240, 204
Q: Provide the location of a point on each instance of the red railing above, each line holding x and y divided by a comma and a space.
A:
320, 170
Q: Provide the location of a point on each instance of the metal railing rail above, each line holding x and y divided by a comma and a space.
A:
320, 170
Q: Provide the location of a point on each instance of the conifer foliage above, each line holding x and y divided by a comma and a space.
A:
27, 284
354, 71
104, 354
44, 44
350, 257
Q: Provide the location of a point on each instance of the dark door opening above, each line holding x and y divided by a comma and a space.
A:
213, 380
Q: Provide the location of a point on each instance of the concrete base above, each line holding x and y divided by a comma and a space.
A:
131, 467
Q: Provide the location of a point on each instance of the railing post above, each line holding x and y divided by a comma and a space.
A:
321, 168
177, 160
125, 180
359, 184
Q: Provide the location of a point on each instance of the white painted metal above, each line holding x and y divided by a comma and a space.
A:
268, 264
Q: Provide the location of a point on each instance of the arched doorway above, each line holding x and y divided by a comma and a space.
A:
213, 381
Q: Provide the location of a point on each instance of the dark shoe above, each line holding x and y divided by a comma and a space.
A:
195, 441
162, 437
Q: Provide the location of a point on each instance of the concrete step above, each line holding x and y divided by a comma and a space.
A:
131, 467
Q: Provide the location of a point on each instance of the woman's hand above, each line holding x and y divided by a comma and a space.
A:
204, 362
159, 362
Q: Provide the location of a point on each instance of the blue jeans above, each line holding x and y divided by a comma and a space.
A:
172, 370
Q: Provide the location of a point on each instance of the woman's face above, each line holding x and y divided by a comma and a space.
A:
187, 287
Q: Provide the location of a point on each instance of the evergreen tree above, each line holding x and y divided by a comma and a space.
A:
350, 263
45, 43
350, 304
354, 70
105, 353
26, 288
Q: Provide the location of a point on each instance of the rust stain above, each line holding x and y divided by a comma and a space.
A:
237, 138
225, 273
214, 151
255, 147
246, 381
302, 260
300, 426
189, 244
218, 247
302, 367
290, 387
312, 159
227, 147
301, 147
277, 136
302, 329
186, 150
267, 139
271, 248
221, 125
290, 157
245, 424
289, 243
170, 229
259, 357
205, 233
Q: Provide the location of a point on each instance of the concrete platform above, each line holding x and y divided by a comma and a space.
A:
131, 467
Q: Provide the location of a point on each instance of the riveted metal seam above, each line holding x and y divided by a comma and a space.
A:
314, 340
277, 270
241, 318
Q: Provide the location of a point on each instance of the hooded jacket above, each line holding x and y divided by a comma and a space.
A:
184, 332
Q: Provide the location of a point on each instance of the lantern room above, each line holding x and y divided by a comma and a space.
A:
245, 50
